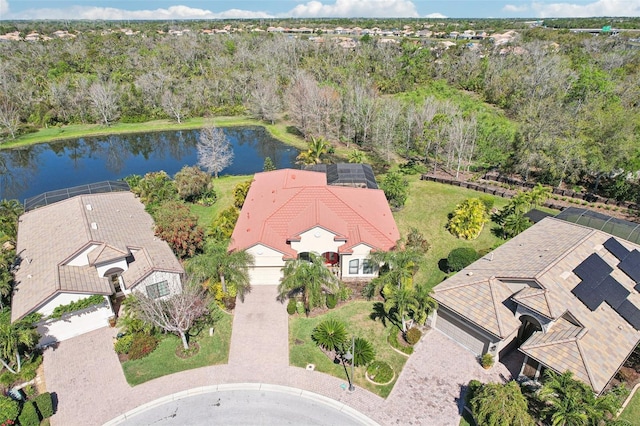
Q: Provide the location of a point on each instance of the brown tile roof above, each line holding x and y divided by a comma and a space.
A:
547, 253
51, 237
282, 204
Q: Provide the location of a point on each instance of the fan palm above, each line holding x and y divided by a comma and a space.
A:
330, 335
317, 148
311, 278
363, 352
223, 266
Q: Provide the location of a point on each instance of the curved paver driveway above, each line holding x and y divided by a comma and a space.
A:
86, 376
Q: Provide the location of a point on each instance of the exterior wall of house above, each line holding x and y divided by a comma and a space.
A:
82, 259
316, 240
121, 264
75, 324
359, 253
173, 280
60, 299
465, 333
268, 263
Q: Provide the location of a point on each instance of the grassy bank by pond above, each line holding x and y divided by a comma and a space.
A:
279, 131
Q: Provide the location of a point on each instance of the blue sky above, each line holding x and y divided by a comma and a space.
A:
216, 9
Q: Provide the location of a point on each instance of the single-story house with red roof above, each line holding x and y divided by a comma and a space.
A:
94, 244
288, 213
565, 295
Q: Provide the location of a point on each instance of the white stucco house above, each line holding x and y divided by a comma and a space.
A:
97, 244
289, 213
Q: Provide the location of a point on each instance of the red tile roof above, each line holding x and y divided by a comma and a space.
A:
283, 204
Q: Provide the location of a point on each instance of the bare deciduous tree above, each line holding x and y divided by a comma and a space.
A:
176, 313
264, 101
174, 104
214, 150
105, 101
9, 117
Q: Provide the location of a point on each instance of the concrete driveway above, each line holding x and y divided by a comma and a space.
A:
86, 376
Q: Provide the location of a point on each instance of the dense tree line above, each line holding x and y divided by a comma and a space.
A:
550, 105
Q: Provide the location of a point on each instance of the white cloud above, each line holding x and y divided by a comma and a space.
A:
597, 8
4, 8
355, 8
511, 8
87, 12
435, 16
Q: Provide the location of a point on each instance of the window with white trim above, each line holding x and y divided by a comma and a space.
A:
367, 267
158, 290
354, 265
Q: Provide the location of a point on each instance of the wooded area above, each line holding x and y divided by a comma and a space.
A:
550, 105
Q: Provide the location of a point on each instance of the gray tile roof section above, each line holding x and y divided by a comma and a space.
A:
546, 254
50, 237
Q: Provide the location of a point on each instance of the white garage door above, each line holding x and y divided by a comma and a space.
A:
73, 325
459, 332
265, 275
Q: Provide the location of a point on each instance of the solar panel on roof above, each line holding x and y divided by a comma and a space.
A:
630, 313
616, 249
613, 292
631, 266
588, 295
593, 268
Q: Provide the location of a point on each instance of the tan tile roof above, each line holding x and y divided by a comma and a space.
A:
535, 299
51, 236
547, 253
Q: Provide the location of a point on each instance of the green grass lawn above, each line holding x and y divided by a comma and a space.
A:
213, 350
224, 190
631, 412
427, 208
303, 350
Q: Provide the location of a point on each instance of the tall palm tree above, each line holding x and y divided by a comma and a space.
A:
403, 300
225, 267
426, 304
310, 278
15, 339
10, 211
514, 224
397, 269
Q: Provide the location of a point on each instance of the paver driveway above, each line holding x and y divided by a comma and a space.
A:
85, 374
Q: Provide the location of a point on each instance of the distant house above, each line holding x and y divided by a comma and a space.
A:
564, 295
289, 213
97, 244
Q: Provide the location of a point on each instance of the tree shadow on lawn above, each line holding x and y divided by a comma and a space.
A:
380, 313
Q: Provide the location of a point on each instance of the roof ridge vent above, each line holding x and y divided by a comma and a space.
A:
89, 207
94, 225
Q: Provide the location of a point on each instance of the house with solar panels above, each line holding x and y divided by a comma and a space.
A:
289, 213
565, 295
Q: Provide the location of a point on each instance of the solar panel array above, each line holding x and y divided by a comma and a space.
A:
599, 286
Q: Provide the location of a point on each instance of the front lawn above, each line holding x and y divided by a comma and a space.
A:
631, 412
213, 350
355, 315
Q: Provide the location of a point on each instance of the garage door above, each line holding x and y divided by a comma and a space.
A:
73, 325
459, 332
265, 275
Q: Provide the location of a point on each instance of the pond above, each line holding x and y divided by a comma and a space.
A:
30, 171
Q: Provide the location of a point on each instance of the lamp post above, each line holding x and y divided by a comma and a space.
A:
349, 356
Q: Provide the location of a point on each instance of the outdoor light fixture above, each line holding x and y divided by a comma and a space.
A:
349, 356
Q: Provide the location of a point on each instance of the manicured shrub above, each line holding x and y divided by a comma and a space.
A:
413, 335
192, 183
487, 360
123, 344
44, 403
472, 389
380, 372
416, 240
78, 305
460, 258
29, 415
8, 409
332, 300
300, 308
488, 202
468, 219
142, 345
392, 339
291, 306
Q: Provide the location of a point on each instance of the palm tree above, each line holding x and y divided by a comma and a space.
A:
357, 156
15, 338
363, 352
401, 299
426, 304
310, 278
222, 266
317, 148
514, 224
330, 335
398, 268
10, 211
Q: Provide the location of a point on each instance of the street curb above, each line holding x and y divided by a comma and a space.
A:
264, 387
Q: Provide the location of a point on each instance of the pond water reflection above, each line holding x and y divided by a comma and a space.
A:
39, 168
